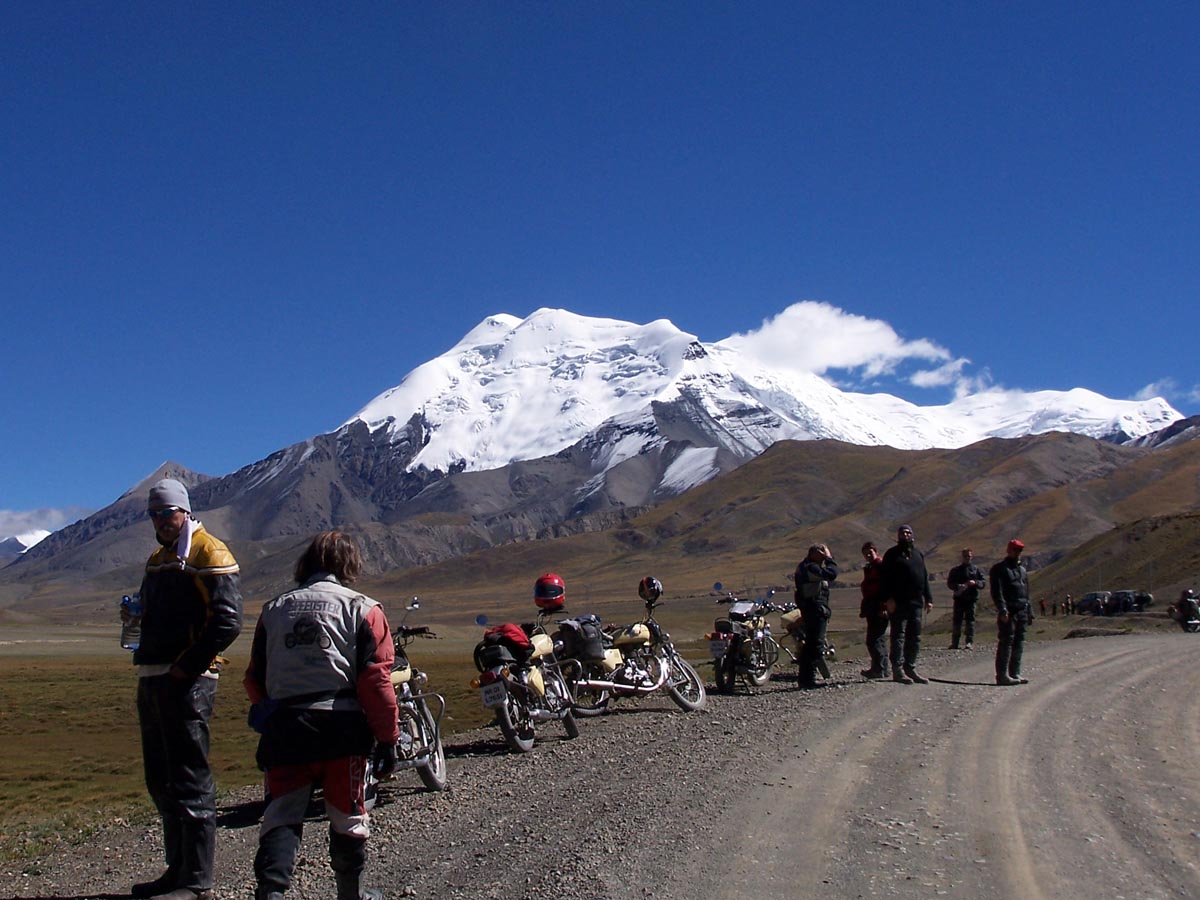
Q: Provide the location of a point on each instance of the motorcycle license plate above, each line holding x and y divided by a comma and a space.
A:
718, 648
493, 694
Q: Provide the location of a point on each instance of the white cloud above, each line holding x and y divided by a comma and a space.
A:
16, 522
1164, 387
817, 337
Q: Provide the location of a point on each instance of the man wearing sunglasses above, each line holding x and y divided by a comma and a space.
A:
191, 611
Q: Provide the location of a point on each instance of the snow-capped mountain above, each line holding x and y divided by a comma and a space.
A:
551, 425
519, 389
12, 547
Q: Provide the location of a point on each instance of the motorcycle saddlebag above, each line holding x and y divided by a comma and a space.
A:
502, 645
793, 622
582, 637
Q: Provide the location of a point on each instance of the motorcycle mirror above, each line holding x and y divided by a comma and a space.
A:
414, 603
481, 619
770, 593
718, 587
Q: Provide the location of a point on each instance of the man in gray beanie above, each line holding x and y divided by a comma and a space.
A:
191, 611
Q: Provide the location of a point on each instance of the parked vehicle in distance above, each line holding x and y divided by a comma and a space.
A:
1093, 604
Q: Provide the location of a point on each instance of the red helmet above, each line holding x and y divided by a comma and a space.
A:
650, 588
549, 592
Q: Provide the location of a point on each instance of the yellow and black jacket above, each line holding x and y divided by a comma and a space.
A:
192, 608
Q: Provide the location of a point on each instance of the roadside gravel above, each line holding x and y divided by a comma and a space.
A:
855, 790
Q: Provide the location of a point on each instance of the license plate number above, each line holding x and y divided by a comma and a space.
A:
493, 694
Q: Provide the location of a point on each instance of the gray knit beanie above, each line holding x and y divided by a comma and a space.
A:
169, 492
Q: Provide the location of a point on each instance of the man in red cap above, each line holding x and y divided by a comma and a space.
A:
1014, 613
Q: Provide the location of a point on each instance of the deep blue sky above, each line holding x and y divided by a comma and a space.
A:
226, 227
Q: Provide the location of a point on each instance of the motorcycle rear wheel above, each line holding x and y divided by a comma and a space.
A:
725, 674
687, 687
433, 773
515, 724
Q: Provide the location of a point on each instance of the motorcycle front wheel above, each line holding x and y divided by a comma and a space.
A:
687, 688
515, 724
591, 701
763, 656
556, 688
433, 773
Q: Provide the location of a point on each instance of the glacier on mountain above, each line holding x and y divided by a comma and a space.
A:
520, 389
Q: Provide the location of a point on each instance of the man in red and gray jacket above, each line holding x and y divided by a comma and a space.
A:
319, 677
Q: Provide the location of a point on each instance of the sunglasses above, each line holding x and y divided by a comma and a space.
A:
165, 513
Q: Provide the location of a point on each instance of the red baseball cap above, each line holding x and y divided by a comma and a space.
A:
1014, 544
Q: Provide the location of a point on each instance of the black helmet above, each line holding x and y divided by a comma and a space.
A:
650, 588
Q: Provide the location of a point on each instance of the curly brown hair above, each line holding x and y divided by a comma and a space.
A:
334, 552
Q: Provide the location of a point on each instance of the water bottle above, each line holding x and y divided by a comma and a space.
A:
131, 621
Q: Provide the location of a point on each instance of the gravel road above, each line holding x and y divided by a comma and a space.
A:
1078, 784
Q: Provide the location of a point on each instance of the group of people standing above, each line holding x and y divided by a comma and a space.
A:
319, 678
896, 594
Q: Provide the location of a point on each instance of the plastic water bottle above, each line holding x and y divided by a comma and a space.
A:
131, 621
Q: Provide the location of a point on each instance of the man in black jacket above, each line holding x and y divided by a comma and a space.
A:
1014, 613
906, 587
192, 610
871, 609
965, 581
813, 577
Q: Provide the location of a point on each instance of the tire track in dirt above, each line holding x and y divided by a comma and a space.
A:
960, 788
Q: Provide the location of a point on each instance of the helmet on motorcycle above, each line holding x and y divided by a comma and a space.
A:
549, 592
650, 588
1187, 594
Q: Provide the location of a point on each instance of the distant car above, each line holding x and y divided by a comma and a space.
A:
1121, 602
1143, 599
1095, 604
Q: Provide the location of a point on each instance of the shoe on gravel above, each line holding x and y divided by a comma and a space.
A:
953, 646
970, 646
901, 678
873, 674
184, 893
916, 676
1005, 681
1018, 679
145, 889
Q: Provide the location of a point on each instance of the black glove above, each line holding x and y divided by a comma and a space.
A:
384, 760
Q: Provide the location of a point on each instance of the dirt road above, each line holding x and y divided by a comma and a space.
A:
1061, 788
1066, 787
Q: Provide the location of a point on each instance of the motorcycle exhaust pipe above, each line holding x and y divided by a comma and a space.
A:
619, 687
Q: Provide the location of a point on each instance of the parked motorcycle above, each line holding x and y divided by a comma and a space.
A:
741, 643
1186, 612
637, 660
792, 621
521, 679
420, 744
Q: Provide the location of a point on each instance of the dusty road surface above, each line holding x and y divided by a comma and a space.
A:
1080, 784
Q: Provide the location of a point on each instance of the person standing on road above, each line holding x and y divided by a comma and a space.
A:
191, 611
1014, 612
965, 581
871, 609
906, 587
319, 677
814, 574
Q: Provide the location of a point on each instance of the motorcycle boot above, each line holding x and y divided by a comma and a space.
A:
168, 880
1004, 681
348, 858
916, 677
144, 890
873, 674
900, 678
276, 860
